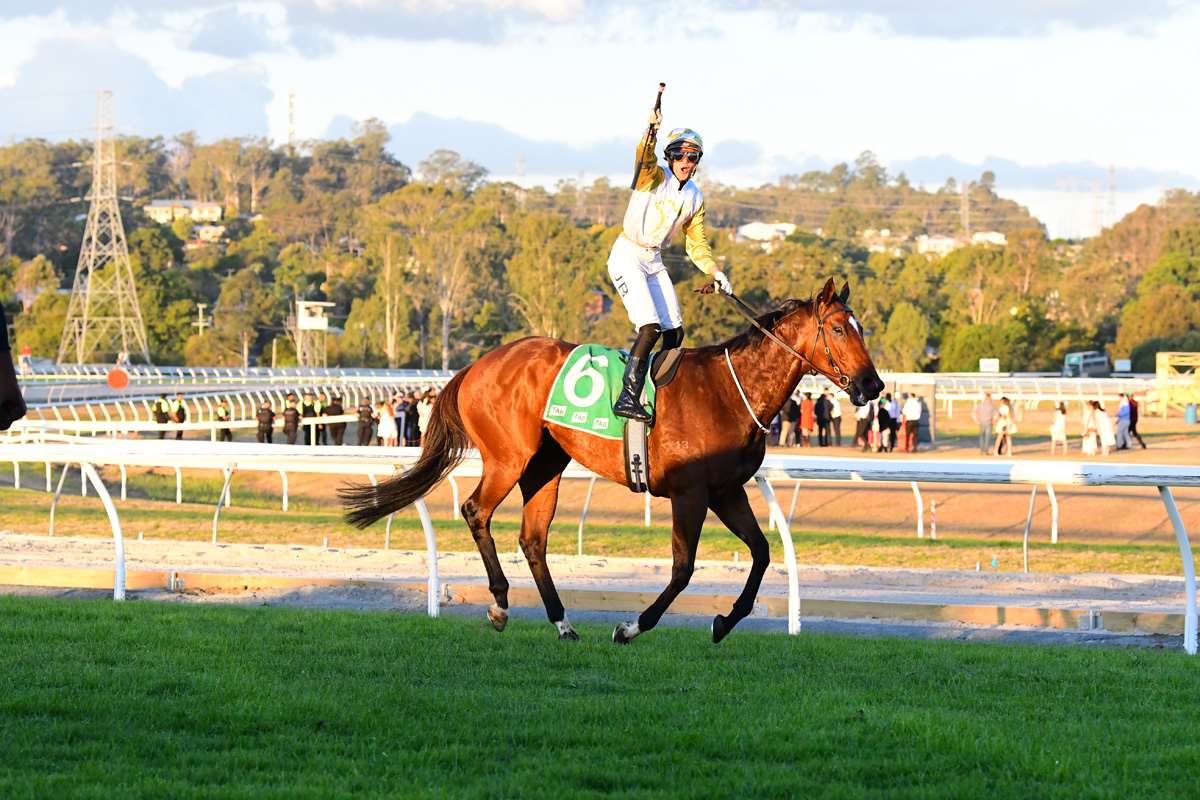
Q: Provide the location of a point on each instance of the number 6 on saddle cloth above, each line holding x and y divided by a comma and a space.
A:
585, 389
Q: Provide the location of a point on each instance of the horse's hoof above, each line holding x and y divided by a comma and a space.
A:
498, 617
625, 632
565, 631
720, 628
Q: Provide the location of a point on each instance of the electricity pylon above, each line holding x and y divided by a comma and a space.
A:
103, 316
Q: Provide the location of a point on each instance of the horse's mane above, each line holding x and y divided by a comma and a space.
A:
752, 335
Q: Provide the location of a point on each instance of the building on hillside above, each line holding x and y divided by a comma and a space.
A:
989, 237
164, 212
937, 245
209, 234
765, 234
882, 241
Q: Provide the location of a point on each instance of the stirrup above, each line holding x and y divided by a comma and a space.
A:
629, 408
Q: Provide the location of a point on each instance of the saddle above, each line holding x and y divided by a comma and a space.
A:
585, 389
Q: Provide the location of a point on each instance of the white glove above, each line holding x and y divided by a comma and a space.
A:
654, 119
722, 282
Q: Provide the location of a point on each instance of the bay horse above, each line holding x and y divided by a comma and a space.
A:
12, 404
707, 441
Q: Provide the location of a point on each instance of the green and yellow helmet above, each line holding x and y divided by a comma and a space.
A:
681, 138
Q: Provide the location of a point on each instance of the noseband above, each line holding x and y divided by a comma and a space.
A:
843, 380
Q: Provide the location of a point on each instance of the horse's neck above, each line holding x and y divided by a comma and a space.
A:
768, 373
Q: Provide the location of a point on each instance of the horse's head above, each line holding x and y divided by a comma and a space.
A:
840, 352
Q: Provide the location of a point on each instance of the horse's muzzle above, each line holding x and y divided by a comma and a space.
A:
865, 388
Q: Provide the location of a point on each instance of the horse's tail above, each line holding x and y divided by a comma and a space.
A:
443, 447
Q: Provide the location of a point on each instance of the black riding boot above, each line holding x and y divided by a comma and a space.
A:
629, 403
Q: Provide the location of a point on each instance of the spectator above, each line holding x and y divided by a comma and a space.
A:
366, 422
266, 423
162, 414
911, 412
1005, 427
25, 360
337, 430
984, 415
389, 434
319, 407
808, 419
835, 417
789, 415
291, 419
1122, 435
822, 412
893, 407
864, 416
885, 441
1058, 429
425, 411
412, 430
1087, 425
224, 415
1133, 420
308, 410
1104, 428
179, 413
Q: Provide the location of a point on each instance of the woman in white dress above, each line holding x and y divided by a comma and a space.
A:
1004, 427
388, 431
1058, 429
1087, 424
1104, 429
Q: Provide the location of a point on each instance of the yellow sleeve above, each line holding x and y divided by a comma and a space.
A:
695, 242
649, 174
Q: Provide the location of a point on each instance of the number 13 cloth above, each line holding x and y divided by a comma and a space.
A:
585, 389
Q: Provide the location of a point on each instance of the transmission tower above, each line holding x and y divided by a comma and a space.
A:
103, 316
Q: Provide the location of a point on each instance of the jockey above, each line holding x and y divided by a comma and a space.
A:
664, 201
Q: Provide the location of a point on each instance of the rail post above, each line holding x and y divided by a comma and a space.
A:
587, 500
433, 588
1189, 570
1053, 513
87, 472
1028, 525
789, 554
916, 490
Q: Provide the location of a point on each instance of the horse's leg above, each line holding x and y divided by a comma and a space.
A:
498, 480
687, 512
733, 509
539, 487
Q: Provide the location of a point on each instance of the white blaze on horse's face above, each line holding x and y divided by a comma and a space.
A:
854, 324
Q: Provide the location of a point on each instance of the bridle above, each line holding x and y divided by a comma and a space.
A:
843, 379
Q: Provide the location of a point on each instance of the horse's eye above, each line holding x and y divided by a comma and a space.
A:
839, 330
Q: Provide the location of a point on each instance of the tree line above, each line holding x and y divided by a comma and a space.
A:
433, 266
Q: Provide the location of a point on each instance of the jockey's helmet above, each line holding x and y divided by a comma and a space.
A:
681, 138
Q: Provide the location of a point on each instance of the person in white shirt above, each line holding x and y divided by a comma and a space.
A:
835, 417
911, 411
1058, 429
664, 201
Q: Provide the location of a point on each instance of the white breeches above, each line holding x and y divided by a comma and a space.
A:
648, 298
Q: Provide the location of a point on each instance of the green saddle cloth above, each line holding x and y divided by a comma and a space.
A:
585, 389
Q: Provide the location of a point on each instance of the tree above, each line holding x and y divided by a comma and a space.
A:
449, 169
26, 182
901, 346
41, 327
552, 272
34, 277
962, 350
1166, 311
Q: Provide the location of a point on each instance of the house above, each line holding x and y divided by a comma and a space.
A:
937, 245
989, 237
208, 234
164, 212
764, 233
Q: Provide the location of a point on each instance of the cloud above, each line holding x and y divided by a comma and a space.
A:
230, 33
53, 96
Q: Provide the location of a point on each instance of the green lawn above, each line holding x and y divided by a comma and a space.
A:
146, 700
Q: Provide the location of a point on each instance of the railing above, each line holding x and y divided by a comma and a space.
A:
375, 461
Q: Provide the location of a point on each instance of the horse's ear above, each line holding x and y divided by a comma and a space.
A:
826, 293
844, 295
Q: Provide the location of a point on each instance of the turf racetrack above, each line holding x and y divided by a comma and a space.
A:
143, 699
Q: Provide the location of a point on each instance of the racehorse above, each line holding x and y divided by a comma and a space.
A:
707, 441
12, 404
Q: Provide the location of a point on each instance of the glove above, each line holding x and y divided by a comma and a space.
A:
654, 119
722, 282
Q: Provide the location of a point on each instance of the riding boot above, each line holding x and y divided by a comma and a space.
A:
629, 403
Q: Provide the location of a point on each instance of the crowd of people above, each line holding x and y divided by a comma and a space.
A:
1098, 432
880, 425
400, 420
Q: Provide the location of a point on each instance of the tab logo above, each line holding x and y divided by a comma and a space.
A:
558, 411
600, 424
579, 416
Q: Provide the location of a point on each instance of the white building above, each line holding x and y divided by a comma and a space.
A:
937, 245
989, 237
764, 233
164, 212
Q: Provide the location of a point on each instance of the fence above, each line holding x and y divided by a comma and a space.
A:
372, 462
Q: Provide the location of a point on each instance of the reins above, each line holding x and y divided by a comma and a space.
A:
747, 312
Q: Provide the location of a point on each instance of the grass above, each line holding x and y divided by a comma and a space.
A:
146, 700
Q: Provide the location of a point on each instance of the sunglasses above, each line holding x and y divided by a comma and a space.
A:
686, 156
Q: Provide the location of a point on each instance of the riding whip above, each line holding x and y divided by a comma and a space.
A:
637, 168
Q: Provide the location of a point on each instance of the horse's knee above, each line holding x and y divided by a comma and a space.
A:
473, 514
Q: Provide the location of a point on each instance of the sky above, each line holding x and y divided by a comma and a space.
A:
1080, 107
